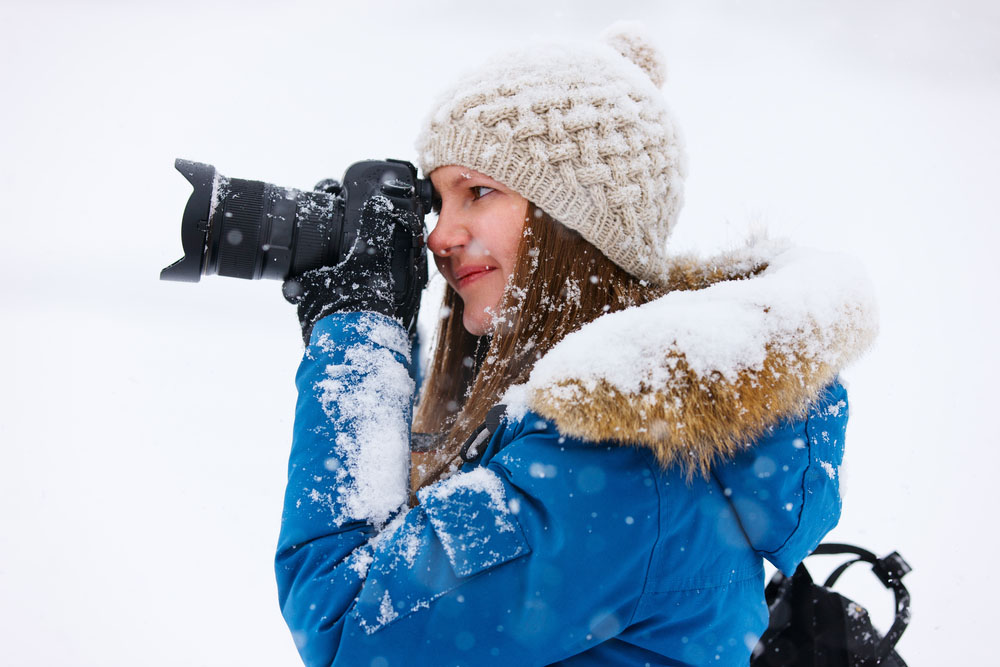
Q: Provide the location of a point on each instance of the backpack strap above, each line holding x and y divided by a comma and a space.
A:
835, 548
890, 570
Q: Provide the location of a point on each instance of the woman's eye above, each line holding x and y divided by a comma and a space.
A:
480, 191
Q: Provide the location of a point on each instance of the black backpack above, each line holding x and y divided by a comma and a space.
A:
813, 626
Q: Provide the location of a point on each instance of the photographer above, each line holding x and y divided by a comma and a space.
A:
618, 436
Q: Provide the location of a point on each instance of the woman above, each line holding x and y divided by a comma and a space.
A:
620, 436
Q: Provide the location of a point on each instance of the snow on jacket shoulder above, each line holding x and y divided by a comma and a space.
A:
564, 544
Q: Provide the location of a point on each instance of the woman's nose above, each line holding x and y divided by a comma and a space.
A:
448, 235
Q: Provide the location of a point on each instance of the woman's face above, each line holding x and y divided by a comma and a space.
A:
475, 240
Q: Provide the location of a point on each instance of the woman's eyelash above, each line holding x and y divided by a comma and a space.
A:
480, 191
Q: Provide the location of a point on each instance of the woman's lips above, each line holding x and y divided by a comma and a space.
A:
469, 274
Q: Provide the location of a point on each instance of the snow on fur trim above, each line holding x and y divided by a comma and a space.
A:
742, 341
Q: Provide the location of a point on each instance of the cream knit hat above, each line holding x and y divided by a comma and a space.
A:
581, 131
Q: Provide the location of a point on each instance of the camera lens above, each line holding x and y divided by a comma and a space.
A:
251, 229
265, 231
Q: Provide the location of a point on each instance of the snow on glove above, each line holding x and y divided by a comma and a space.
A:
363, 281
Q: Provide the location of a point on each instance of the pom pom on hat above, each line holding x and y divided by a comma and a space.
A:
630, 39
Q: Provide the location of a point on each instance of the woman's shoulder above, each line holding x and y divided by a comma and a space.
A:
751, 504
533, 449
614, 493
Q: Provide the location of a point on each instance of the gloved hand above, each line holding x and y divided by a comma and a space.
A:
364, 280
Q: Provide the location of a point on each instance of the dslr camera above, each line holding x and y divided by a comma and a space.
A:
251, 229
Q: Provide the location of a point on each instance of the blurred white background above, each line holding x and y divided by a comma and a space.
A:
144, 425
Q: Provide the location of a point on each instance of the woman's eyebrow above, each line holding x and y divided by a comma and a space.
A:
465, 176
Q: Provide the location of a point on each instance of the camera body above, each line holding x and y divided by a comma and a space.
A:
252, 229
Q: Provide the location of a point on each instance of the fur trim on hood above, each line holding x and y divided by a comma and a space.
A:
742, 341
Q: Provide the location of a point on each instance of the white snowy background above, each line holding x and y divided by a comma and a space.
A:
144, 425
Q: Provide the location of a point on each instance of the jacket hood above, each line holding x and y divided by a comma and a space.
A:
742, 341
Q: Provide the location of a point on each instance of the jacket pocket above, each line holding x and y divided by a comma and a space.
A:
462, 527
472, 519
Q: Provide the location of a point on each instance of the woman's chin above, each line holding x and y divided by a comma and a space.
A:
477, 324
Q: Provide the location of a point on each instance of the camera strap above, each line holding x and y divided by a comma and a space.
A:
475, 445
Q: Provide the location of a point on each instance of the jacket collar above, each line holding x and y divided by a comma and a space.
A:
741, 341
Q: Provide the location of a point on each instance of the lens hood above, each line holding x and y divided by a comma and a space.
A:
195, 224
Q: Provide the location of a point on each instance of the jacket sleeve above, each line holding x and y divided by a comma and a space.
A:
347, 473
454, 580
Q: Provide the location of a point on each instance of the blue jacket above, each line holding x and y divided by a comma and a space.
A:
551, 549
555, 547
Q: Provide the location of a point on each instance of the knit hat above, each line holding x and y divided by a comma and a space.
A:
581, 131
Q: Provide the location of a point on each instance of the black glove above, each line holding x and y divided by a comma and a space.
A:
374, 276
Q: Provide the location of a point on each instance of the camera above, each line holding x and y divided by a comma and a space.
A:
251, 229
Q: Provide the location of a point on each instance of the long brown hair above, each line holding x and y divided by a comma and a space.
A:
559, 283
